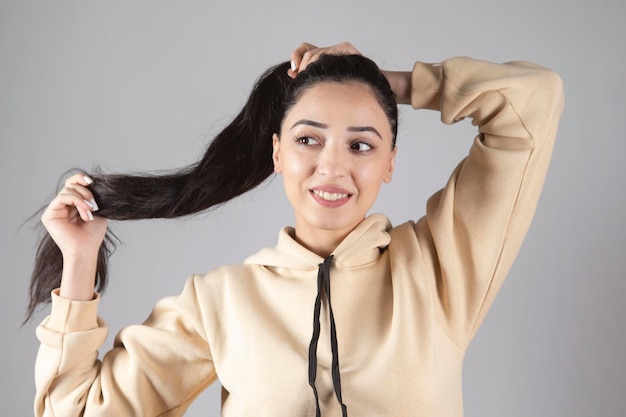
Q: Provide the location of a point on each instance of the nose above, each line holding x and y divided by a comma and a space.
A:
333, 161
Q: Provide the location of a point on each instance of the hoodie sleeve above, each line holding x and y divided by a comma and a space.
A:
156, 368
474, 227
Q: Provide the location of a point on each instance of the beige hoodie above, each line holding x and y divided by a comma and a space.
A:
407, 300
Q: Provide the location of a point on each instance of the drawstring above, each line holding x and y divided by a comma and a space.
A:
323, 285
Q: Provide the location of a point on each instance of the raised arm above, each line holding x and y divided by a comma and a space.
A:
156, 367
474, 226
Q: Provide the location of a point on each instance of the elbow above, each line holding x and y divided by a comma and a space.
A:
551, 91
545, 105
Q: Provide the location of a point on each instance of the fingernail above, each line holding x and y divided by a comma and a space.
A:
88, 203
94, 205
293, 65
88, 179
89, 215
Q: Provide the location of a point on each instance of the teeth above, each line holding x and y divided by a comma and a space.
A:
330, 196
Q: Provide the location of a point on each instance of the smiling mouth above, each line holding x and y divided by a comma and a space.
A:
330, 196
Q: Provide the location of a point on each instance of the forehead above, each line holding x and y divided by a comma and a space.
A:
334, 101
331, 89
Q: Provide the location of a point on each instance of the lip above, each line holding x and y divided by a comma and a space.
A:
334, 201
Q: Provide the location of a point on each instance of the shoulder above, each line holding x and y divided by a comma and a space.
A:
403, 237
225, 275
412, 242
405, 234
218, 287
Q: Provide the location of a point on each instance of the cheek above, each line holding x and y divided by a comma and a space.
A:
295, 167
296, 174
371, 176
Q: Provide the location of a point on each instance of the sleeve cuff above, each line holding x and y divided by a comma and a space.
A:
72, 316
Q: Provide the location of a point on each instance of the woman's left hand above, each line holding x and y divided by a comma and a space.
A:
306, 53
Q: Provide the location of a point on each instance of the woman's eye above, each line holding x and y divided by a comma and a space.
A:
361, 146
306, 140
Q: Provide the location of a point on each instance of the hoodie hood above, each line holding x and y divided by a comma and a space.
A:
360, 248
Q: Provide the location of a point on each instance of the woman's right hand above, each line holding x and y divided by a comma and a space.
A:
78, 233
70, 221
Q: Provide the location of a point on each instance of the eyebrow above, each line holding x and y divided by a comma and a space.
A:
325, 126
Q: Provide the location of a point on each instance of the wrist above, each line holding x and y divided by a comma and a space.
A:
78, 277
400, 82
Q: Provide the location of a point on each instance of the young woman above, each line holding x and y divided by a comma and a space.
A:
347, 315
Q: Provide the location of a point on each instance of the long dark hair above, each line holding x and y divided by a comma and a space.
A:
238, 159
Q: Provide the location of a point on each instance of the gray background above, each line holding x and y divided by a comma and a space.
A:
142, 85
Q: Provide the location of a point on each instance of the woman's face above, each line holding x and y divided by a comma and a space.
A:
334, 152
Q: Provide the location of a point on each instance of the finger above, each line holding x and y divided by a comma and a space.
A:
296, 57
65, 213
68, 204
308, 57
343, 48
79, 183
80, 178
85, 194
298, 53
65, 204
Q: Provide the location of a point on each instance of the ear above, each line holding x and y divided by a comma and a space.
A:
391, 166
276, 153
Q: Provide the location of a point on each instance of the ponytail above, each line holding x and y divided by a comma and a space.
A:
237, 160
